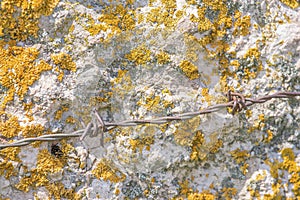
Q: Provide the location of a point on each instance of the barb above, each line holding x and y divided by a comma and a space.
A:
236, 101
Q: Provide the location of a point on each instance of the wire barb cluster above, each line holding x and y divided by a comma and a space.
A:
97, 126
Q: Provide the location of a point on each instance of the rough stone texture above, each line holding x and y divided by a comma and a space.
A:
146, 59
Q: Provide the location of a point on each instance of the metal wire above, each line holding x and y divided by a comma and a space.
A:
236, 101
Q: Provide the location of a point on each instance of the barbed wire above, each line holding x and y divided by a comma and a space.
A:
236, 101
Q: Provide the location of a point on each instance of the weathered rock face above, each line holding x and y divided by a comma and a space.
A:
133, 60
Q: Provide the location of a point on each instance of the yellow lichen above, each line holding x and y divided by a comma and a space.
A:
108, 173
145, 140
121, 74
215, 147
7, 169
228, 193
70, 120
66, 148
206, 96
244, 168
242, 26
269, 136
162, 58
22, 17
190, 70
46, 164
186, 132
288, 164
140, 55
260, 177
240, 155
58, 190
166, 16
156, 103
291, 3
204, 195
58, 113
113, 20
6, 157
198, 140
65, 62
151, 102
185, 188
32, 130
258, 124
10, 128
19, 70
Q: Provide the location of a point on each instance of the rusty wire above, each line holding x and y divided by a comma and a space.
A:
236, 101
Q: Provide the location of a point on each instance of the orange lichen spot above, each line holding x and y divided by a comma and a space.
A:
216, 146
166, 15
248, 113
121, 74
33, 130
66, 148
64, 61
6, 157
269, 136
60, 75
242, 26
228, 193
121, 84
206, 96
204, 25
151, 103
189, 69
162, 58
58, 190
258, 124
46, 164
140, 55
94, 28
240, 156
113, 20
10, 153
156, 103
168, 104
274, 166
58, 113
235, 63
70, 120
295, 179
146, 193
19, 70
260, 177
244, 168
7, 169
145, 140
289, 163
186, 132
107, 172
185, 188
10, 128
252, 53
197, 142
28, 112
291, 3
204, 195
117, 191
22, 17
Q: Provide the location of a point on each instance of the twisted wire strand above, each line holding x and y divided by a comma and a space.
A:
236, 101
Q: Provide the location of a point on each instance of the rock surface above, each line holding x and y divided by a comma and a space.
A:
130, 60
